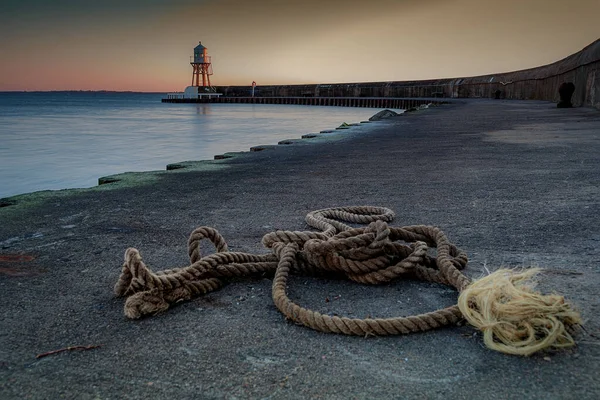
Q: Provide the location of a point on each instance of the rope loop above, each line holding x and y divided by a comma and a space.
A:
201, 233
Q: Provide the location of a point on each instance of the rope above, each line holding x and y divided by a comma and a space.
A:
374, 254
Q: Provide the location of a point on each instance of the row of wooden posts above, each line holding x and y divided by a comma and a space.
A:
367, 102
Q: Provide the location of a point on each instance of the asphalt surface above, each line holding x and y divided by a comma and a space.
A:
513, 183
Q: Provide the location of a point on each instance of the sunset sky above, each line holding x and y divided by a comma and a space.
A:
144, 45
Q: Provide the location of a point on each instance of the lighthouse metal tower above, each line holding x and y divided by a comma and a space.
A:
197, 92
201, 65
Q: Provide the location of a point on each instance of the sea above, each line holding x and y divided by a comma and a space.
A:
59, 140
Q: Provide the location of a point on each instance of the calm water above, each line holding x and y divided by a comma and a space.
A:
67, 140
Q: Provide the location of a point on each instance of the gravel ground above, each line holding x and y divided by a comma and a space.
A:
513, 183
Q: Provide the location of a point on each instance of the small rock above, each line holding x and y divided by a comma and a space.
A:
383, 114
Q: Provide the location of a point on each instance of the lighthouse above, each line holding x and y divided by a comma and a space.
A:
201, 66
200, 91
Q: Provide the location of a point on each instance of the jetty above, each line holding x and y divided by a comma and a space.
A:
541, 83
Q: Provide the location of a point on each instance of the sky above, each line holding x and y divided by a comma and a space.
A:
145, 45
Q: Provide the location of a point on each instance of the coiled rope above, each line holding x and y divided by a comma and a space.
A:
374, 254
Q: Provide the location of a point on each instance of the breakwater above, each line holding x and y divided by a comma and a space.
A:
540, 83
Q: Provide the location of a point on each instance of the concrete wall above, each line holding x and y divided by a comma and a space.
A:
541, 83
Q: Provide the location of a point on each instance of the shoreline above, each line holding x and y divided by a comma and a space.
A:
130, 178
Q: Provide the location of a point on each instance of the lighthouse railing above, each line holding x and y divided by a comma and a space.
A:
175, 96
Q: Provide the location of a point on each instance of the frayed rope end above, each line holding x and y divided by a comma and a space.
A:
514, 318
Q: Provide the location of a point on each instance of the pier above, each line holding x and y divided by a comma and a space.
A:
366, 102
540, 83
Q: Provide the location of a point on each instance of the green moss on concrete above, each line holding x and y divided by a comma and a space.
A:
119, 181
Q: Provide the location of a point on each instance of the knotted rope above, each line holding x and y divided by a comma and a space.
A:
374, 254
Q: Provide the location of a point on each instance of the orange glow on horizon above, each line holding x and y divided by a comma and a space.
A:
145, 45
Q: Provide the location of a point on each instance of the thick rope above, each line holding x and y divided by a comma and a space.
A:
374, 254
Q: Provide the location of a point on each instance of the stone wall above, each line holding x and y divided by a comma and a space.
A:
541, 83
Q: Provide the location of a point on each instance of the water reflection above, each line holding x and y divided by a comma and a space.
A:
203, 109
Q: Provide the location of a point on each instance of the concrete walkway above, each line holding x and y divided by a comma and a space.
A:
511, 183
